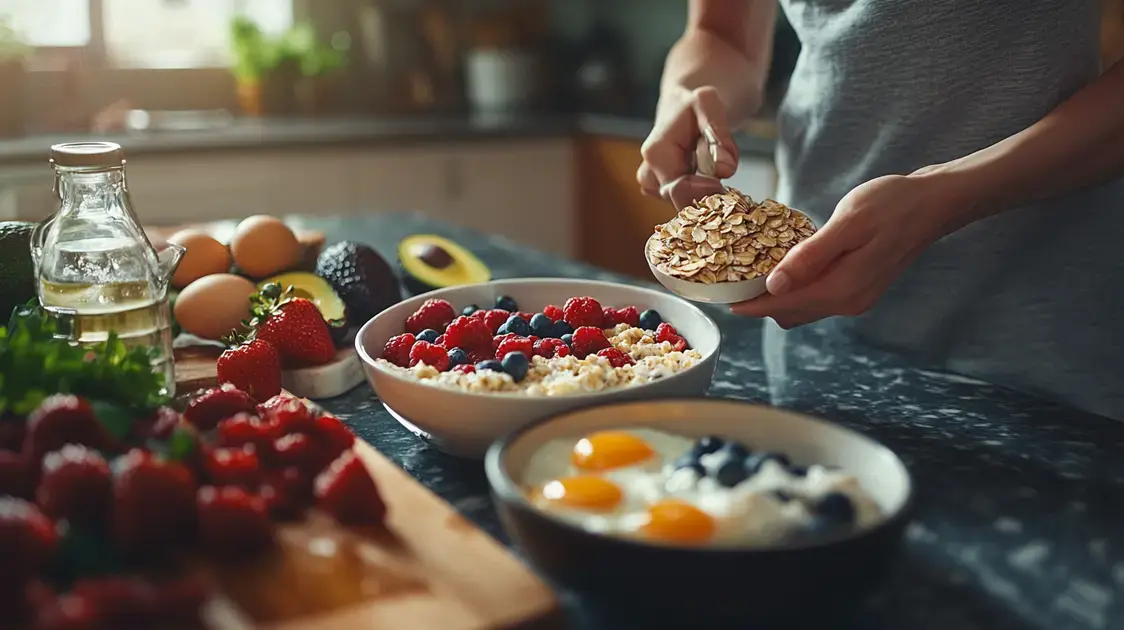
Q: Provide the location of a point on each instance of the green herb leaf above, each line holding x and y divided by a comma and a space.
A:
117, 420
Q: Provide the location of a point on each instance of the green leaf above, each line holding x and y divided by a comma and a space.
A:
118, 420
182, 445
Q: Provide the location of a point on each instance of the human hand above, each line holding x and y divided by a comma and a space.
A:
667, 170
876, 231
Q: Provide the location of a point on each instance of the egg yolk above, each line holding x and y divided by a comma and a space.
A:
592, 494
676, 521
606, 450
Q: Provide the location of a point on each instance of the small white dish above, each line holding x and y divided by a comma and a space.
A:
718, 293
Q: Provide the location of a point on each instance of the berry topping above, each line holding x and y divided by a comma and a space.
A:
515, 344
232, 521
397, 350
440, 341
433, 313
346, 491
515, 325
468, 334
215, 405
553, 312
60, 420
470, 309
476, 356
489, 365
457, 357
617, 358
650, 319
582, 311
465, 368
729, 471
666, 332
234, 466
707, 444
153, 503
627, 315
542, 326
27, 542
754, 461
516, 365
429, 335
494, 319
588, 340
835, 507
507, 303
76, 486
568, 339
550, 348
252, 366
434, 356
561, 329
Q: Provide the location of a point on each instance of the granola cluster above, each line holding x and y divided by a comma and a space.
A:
727, 237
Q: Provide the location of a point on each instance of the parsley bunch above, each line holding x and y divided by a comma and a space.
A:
35, 363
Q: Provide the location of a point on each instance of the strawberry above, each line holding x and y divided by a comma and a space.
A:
27, 542
253, 366
153, 503
293, 325
14, 478
213, 406
60, 420
333, 435
346, 491
76, 486
232, 521
234, 466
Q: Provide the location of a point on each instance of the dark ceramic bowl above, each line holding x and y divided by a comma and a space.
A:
761, 583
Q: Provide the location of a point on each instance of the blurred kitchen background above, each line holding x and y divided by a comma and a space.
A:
521, 118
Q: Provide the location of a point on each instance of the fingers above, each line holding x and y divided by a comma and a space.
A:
710, 117
666, 150
649, 183
688, 189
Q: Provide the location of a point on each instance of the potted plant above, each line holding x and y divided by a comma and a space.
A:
318, 63
255, 57
13, 80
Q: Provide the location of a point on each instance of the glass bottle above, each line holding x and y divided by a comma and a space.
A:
97, 271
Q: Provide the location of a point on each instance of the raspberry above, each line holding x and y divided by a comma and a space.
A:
666, 332
466, 368
525, 316
616, 357
515, 344
346, 491
553, 312
582, 311
27, 542
397, 350
216, 405
234, 466
76, 486
476, 356
153, 503
60, 420
627, 315
434, 356
550, 348
588, 340
232, 521
468, 334
440, 341
433, 313
494, 319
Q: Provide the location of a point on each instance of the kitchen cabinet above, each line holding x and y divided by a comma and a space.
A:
615, 219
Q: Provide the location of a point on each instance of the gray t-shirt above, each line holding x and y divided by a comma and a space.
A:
1031, 299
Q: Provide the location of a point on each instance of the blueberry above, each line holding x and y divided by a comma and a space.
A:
457, 357
730, 472
469, 310
782, 496
835, 507
490, 364
733, 450
708, 444
429, 335
502, 330
568, 339
755, 461
518, 325
694, 466
515, 364
798, 471
561, 329
650, 319
507, 303
542, 326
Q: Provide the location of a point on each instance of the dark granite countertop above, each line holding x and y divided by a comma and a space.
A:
1020, 519
253, 134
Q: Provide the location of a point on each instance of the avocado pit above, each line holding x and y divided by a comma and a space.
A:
434, 256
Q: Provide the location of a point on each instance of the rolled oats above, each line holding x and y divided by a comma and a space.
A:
727, 237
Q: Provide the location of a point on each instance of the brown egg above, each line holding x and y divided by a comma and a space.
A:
263, 246
214, 305
204, 256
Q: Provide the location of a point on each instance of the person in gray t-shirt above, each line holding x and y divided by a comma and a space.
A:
960, 158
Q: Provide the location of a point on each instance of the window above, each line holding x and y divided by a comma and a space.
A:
151, 34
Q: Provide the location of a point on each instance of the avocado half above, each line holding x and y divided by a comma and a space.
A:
430, 262
318, 291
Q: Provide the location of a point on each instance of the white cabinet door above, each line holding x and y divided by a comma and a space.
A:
174, 189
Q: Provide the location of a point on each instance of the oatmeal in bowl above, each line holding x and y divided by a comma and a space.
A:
721, 249
464, 365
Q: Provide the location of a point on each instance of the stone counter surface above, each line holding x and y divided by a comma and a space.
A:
1020, 512
254, 134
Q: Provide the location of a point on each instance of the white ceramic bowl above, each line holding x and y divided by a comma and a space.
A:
465, 424
718, 293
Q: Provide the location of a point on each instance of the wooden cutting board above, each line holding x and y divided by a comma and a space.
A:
431, 570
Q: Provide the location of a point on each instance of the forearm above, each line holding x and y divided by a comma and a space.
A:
728, 46
1079, 143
